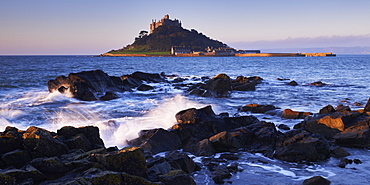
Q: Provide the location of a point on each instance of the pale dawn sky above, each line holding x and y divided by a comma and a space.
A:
94, 27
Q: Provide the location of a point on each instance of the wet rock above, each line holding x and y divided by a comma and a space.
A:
48, 165
148, 77
229, 156
130, 160
109, 96
85, 138
354, 136
221, 173
10, 140
242, 83
6, 179
16, 158
367, 106
290, 114
316, 180
183, 161
144, 87
357, 161
177, 177
256, 108
218, 86
342, 108
225, 142
303, 147
85, 85
327, 109
263, 136
283, 127
317, 84
292, 83
339, 152
27, 172
41, 143
203, 148
157, 140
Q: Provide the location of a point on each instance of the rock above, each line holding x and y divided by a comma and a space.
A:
85, 138
317, 84
109, 96
327, 109
48, 165
157, 140
85, 85
10, 140
263, 137
218, 86
148, 77
221, 173
41, 143
204, 148
283, 127
256, 108
330, 124
303, 147
339, 152
28, 172
159, 167
242, 83
316, 180
130, 160
292, 83
357, 161
290, 114
225, 142
343, 162
342, 108
6, 179
354, 136
193, 115
177, 177
144, 87
16, 158
367, 106
182, 160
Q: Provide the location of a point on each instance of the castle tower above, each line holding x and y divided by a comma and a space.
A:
164, 21
167, 16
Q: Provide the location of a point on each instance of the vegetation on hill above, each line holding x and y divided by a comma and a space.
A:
164, 37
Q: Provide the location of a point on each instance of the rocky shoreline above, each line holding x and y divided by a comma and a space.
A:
78, 155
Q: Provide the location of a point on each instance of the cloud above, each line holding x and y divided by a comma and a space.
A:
307, 42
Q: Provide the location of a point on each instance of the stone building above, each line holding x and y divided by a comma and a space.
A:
165, 21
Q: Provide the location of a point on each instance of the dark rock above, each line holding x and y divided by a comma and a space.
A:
292, 83
316, 180
342, 108
218, 86
148, 77
48, 165
157, 140
85, 138
357, 161
367, 106
290, 114
16, 158
221, 173
184, 161
144, 87
28, 172
283, 127
6, 179
131, 81
193, 115
177, 177
317, 84
130, 160
41, 142
264, 136
85, 85
10, 139
339, 152
203, 148
303, 147
354, 136
327, 109
109, 96
256, 108
225, 142
242, 83
229, 156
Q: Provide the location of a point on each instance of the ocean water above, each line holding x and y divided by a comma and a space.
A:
25, 101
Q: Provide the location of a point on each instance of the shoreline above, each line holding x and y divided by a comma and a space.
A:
327, 54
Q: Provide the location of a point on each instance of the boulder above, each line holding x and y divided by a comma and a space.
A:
25, 173
41, 143
10, 139
317, 84
177, 177
316, 180
49, 165
85, 138
218, 86
129, 160
290, 114
204, 148
256, 108
182, 160
108, 96
226, 142
148, 77
367, 106
292, 83
85, 85
301, 147
242, 83
17, 158
157, 140
263, 137
144, 87
6, 179
327, 109
354, 136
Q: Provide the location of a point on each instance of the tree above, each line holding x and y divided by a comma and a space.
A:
143, 33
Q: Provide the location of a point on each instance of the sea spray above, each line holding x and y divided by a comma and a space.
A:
162, 116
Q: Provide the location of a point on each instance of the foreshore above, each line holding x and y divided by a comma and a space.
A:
328, 54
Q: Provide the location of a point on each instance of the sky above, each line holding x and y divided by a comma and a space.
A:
90, 27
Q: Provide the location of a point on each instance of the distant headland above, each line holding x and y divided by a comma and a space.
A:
167, 37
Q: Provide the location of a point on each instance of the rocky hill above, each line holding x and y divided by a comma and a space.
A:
164, 37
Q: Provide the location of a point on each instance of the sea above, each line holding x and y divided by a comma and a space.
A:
25, 101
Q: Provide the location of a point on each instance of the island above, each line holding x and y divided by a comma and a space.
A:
167, 37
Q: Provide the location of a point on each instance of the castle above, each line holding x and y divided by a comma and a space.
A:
165, 21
